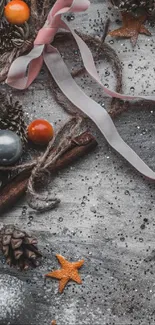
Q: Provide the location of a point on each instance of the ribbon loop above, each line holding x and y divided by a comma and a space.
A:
45, 35
43, 51
17, 74
33, 62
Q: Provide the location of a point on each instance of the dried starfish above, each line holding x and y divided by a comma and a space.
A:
132, 27
53, 322
69, 271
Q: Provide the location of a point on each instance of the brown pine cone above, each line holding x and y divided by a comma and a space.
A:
12, 36
18, 248
2, 4
132, 5
12, 116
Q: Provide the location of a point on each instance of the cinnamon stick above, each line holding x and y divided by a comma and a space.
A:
17, 186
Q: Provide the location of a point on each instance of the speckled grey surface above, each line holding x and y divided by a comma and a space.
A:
106, 215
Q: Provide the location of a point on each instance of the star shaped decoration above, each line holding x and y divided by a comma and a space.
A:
69, 271
132, 27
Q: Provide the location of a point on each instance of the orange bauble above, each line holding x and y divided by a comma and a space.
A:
17, 12
40, 132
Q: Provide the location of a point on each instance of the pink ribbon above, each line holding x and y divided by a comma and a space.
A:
26, 68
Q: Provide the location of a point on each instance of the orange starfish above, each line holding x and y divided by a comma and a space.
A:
68, 272
132, 27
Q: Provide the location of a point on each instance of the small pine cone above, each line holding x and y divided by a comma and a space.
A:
132, 5
2, 4
12, 116
18, 248
40, 5
12, 36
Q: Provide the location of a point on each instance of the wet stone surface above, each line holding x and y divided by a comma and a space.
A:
106, 215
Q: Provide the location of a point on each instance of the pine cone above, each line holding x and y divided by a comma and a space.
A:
18, 248
132, 5
40, 5
2, 4
12, 36
12, 116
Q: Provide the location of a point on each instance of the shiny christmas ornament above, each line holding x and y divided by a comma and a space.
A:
132, 5
10, 147
40, 132
17, 12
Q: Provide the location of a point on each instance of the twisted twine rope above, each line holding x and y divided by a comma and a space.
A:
55, 149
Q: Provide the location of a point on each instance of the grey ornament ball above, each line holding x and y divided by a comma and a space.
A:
10, 147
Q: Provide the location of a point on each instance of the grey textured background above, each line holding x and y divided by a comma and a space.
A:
106, 215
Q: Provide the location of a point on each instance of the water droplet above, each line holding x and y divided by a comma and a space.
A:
144, 131
3, 260
111, 42
30, 218
126, 192
90, 189
83, 204
93, 209
24, 210
107, 73
130, 66
29, 224
70, 17
60, 219
132, 88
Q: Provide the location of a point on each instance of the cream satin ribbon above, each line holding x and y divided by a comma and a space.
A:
26, 68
